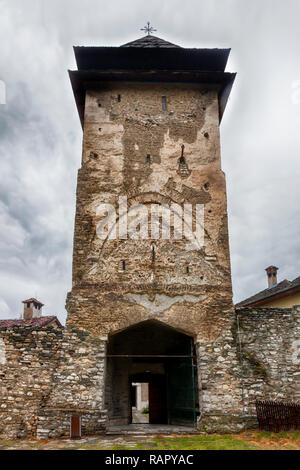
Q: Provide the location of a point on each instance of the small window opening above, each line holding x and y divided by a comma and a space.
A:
206, 135
148, 159
164, 103
100, 129
99, 105
182, 159
122, 266
28, 305
119, 98
153, 253
188, 270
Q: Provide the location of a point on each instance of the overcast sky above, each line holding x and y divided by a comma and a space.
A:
40, 134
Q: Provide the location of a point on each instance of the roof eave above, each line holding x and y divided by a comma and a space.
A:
275, 296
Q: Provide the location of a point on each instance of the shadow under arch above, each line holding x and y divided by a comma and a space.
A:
152, 321
164, 357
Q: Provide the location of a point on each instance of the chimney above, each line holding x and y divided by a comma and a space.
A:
32, 309
272, 275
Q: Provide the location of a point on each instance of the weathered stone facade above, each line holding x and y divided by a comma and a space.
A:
270, 354
150, 309
115, 164
256, 357
46, 376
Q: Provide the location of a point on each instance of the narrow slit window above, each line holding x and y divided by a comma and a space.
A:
153, 253
119, 98
182, 159
148, 159
164, 103
188, 270
123, 265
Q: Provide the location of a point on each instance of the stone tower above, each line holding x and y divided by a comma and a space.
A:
151, 301
150, 112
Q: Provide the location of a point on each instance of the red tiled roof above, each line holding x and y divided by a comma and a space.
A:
28, 301
36, 322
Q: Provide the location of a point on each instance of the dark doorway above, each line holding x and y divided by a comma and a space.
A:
133, 392
139, 392
75, 427
160, 356
157, 401
182, 390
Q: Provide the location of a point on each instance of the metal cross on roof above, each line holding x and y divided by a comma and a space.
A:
148, 29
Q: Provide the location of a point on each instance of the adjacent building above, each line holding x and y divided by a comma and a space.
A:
283, 294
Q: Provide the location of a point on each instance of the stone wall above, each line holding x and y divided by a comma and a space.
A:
220, 393
256, 357
270, 354
45, 376
49, 374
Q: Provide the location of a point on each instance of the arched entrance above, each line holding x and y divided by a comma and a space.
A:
164, 358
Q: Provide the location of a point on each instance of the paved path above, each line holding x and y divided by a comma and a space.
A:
142, 428
138, 417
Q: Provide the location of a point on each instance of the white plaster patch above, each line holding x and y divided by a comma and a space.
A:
2, 353
162, 302
296, 352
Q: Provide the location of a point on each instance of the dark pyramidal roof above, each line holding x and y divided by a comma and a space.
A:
150, 41
150, 59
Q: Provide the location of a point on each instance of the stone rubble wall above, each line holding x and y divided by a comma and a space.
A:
219, 382
256, 358
48, 375
270, 354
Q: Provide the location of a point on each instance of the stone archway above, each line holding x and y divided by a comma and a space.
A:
163, 357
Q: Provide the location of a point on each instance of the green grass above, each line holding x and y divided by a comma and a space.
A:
246, 441
189, 443
292, 435
203, 443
